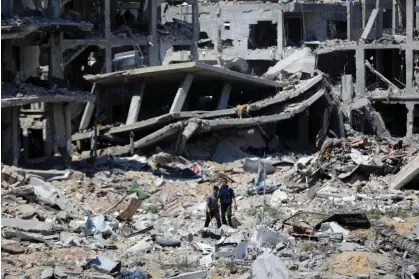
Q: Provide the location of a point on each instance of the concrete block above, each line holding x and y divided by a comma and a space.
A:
406, 174
347, 88
26, 225
47, 273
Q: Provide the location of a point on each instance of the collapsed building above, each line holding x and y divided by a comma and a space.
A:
121, 116
169, 71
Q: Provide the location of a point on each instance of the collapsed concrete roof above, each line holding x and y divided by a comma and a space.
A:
20, 95
162, 74
195, 125
170, 117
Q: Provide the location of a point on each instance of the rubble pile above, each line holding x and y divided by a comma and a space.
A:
335, 213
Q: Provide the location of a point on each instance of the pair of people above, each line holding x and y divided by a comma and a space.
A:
220, 200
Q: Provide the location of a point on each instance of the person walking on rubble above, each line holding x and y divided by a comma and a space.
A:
212, 208
226, 196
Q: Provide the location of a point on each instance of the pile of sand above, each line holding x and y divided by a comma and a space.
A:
353, 263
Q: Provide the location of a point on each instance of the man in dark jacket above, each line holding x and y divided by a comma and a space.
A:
212, 208
226, 197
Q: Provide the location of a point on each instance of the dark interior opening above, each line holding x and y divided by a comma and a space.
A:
157, 99
336, 29
413, 184
337, 63
79, 67
293, 30
416, 120
183, 47
262, 35
205, 41
387, 18
36, 143
388, 62
227, 43
259, 67
394, 117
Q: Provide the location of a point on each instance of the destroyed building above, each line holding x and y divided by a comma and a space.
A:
344, 47
47, 48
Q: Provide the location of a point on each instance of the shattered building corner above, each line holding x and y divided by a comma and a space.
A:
119, 118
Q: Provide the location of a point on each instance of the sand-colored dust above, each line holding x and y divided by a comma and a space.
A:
403, 228
353, 263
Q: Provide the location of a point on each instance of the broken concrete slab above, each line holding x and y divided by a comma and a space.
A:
49, 194
29, 225
47, 273
408, 173
269, 266
45, 174
301, 60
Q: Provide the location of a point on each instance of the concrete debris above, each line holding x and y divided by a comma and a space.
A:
407, 174
99, 225
28, 225
299, 61
269, 266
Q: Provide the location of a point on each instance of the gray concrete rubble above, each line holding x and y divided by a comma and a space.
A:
120, 117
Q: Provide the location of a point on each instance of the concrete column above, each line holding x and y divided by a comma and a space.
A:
196, 29
59, 126
25, 134
56, 9
409, 120
46, 134
364, 14
347, 88
280, 33
409, 71
395, 18
417, 15
217, 43
88, 112
67, 119
107, 18
225, 96
409, 21
15, 136
181, 94
56, 69
303, 128
379, 20
360, 70
108, 59
134, 107
153, 48
349, 8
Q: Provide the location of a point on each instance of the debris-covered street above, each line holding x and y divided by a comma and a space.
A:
213, 139
344, 211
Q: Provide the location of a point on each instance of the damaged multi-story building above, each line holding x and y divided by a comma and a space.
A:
170, 71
